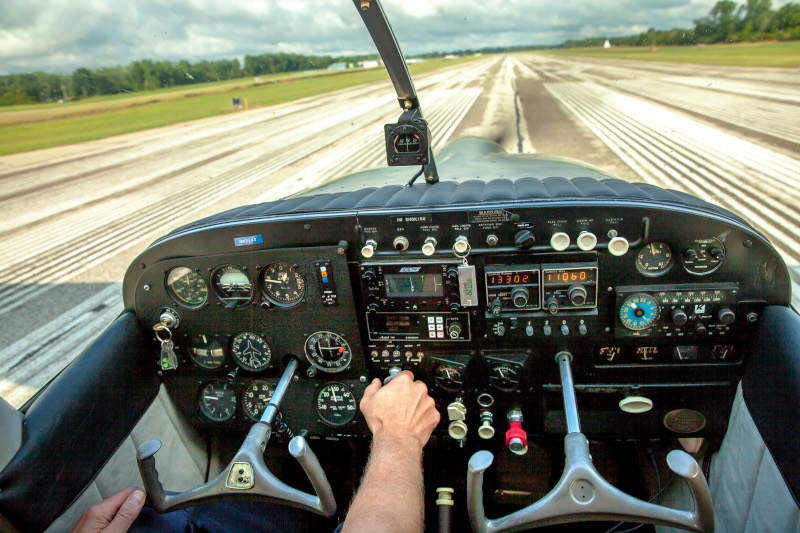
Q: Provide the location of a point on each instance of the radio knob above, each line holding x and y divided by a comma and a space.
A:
429, 247
559, 241
524, 239
368, 250
373, 307
700, 328
520, 297
497, 306
679, 317
726, 316
552, 305
577, 295
454, 329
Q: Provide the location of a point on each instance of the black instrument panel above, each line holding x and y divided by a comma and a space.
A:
658, 303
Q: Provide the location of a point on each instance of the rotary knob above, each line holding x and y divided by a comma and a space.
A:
497, 306
552, 305
520, 297
524, 239
700, 328
577, 295
726, 316
679, 317
454, 329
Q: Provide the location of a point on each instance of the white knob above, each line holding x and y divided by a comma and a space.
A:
636, 404
368, 250
457, 430
618, 246
559, 241
429, 247
587, 241
461, 245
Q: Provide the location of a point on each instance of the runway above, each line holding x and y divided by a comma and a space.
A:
72, 218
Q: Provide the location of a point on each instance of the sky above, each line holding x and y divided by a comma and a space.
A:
61, 35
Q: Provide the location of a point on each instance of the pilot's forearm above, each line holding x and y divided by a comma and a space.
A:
391, 496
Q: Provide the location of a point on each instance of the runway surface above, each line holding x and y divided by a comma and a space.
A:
72, 218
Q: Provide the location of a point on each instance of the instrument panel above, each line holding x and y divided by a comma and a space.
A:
476, 304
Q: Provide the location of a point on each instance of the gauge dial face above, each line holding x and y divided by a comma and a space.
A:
207, 351
704, 256
655, 259
231, 285
217, 401
328, 351
609, 353
250, 351
504, 378
686, 353
638, 311
722, 352
449, 377
336, 404
255, 397
647, 353
186, 287
283, 285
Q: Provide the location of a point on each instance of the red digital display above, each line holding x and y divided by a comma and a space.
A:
569, 276
513, 278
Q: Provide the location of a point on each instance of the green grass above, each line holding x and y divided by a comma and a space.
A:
34, 127
784, 54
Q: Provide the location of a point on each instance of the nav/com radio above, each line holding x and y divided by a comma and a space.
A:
414, 301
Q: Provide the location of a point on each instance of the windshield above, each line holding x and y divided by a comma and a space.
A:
119, 122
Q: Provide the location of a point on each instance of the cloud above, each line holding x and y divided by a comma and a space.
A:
62, 35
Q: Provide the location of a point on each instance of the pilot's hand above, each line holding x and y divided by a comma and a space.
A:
400, 411
115, 514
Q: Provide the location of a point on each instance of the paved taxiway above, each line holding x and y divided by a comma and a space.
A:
72, 218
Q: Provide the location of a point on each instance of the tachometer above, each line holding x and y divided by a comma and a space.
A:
638, 311
217, 401
283, 285
255, 397
336, 404
186, 287
231, 285
207, 352
328, 351
250, 351
655, 259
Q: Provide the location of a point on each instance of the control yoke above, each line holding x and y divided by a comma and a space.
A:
582, 494
247, 476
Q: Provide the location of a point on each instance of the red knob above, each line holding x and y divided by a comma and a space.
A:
516, 438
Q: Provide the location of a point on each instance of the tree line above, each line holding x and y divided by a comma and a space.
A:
727, 22
146, 75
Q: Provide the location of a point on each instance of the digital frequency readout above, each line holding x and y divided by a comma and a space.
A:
513, 278
569, 276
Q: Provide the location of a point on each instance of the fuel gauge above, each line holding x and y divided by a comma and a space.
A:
504, 378
646, 354
449, 377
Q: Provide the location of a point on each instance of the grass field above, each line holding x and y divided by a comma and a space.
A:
785, 54
31, 127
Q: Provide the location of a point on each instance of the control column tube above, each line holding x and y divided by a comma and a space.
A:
568, 391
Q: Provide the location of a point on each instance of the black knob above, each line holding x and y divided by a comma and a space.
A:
577, 295
454, 307
700, 328
454, 329
373, 308
690, 254
497, 306
552, 305
726, 316
524, 239
452, 274
718, 254
520, 297
679, 317
501, 329
369, 274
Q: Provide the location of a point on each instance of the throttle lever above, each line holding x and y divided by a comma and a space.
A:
246, 476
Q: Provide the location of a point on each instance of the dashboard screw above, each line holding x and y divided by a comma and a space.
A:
362, 379
295, 378
608, 329
146, 287
610, 289
748, 243
307, 227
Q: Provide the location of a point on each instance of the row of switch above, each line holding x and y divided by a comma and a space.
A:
500, 329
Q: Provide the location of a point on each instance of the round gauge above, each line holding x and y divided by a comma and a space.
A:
207, 352
217, 401
655, 259
328, 351
638, 311
186, 287
609, 353
255, 397
283, 285
449, 377
231, 285
504, 378
703, 256
250, 351
336, 404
